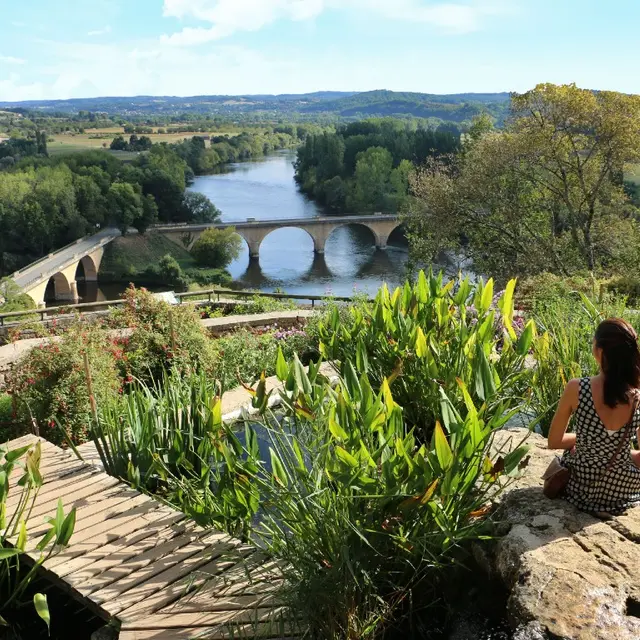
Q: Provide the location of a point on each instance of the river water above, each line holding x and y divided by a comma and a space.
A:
265, 190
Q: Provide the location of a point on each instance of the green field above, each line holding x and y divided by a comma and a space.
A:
74, 142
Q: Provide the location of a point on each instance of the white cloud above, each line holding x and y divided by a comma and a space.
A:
100, 32
12, 60
225, 17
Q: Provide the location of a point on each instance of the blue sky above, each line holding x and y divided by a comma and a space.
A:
85, 48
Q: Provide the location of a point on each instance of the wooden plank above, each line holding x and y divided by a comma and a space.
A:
160, 525
249, 631
101, 507
254, 576
78, 495
122, 595
68, 474
109, 571
108, 536
206, 619
182, 585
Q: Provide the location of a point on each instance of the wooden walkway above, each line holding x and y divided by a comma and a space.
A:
145, 564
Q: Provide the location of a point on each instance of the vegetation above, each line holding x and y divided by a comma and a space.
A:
15, 539
367, 510
365, 166
136, 259
545, 194
217, 248
49, 385
12, 298
433, 338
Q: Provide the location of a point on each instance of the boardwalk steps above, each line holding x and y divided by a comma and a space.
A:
146, 565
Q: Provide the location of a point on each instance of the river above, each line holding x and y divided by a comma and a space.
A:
265, 190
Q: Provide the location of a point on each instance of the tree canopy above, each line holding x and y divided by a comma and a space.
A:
544, 194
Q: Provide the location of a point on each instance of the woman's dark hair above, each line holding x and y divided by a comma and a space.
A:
620, 360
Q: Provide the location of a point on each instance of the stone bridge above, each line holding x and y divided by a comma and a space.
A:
319, 229
63, 268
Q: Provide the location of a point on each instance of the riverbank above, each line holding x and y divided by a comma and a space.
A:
135, 259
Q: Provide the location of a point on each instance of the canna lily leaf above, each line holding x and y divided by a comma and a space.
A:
282, 370
526, 339
421, 344
506, 308
443, 450
42, 608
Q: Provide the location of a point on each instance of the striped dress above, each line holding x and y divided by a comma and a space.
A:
591, 488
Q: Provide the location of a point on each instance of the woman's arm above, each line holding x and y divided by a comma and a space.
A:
558, 438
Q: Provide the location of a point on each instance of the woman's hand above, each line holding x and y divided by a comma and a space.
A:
558, 438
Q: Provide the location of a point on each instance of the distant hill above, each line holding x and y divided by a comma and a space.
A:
337, 104
456, 107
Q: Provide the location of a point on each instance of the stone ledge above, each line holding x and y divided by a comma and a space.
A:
571, 576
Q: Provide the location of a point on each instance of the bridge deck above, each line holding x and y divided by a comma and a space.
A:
136, 560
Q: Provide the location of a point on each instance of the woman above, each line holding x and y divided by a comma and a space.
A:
605, 473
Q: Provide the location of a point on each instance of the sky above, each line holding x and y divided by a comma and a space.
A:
90, 48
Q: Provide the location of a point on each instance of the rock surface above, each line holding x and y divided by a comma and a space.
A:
571, 576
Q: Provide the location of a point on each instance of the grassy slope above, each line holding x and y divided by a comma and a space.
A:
138, 253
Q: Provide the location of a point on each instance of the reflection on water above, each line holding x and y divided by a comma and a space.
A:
265, 190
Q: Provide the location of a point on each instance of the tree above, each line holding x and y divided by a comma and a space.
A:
149, 215
125, 205
119, 144
373, 169
545, 194
171, 272
196, 207
217, 247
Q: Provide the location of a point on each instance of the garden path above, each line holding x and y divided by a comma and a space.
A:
138, 561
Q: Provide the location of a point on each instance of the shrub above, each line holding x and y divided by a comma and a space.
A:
12, 298
261, 304
244, 355
367, 523
217, 247
204, 277
545, 291
171, 273
49, 383
7, 419
163, 337
427, 338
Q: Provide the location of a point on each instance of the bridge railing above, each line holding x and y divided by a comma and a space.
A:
200, 296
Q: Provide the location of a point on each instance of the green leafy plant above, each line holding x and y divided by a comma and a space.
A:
424, 338
366, 522
168, 439
20, 469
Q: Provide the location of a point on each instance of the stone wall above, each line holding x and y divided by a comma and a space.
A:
571, 576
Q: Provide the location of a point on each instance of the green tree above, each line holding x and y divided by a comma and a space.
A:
171, 272
125, 205
196, 207
373, 170
217, 247
545, 194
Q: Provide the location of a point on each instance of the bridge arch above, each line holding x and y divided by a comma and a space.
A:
308, 233
375, 238
59, 286
86, 269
